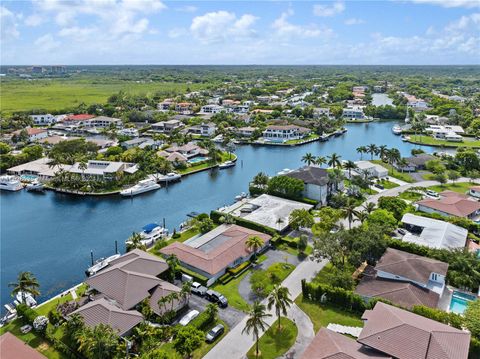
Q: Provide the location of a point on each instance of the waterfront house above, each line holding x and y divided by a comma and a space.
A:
188, 150
316, 183
123, 285
353, 113
12, 347
283, 133
204, 129
319, 112
140, 142
245, 131
40, 168
214, 252
34, 134
167, 127
390, 332
450, 204
405, 279
433, 233
103, 170
372, 169
414, 163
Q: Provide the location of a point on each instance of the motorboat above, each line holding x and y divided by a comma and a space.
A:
10, 183
169, 177
397, 130
100, 264
324, 138
26, 298
226, 164
141, 187
151, 233
405, 138
35, 186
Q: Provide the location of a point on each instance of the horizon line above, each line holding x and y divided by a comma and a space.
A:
6, 65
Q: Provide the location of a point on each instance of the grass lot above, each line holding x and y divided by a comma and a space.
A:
394, 173
281, 271
310, 137
322, 314
203, 165
59, 94
230, 291
411, 196
460, 187
430, 141
43, 309
274, 342
388, 184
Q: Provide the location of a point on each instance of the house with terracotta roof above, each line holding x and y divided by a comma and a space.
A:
405, 279
213, 253
34, 134
122, 285
184, 108
404, 335
13, 348
79, 119
451, 204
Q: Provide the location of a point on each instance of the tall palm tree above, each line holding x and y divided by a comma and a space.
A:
350, 165
320, 160
350, 213
393, 155
372, 149
173, 263
172, 297
280, 299
256, 322
254, 243
185, 291
382, 151
26, 284
334, 160
361, 150
308, 159
135, 242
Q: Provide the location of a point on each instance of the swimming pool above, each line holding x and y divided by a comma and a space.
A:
459, 302
28, 178
197, 159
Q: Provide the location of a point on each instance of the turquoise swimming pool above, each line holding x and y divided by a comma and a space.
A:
28, 178
459, 302
197, 159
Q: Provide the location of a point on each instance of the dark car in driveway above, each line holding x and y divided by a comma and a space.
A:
216, 297
214, 333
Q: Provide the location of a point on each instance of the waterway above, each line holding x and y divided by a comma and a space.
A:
381, 99
52, 234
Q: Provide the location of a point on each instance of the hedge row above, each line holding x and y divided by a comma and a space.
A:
239, 269
203, 321
215, 216
27, 313
198, 277
224, 279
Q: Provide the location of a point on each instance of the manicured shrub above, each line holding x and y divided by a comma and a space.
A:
28, 314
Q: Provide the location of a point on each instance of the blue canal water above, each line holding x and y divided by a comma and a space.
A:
52, 234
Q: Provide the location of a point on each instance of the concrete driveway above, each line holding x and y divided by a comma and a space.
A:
229, 315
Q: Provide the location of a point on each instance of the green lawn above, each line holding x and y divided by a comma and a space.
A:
201, 166
43, 309
322, 314
230, 291
312, 136
460, 187
394, 173
388, 184
276, 342
430, 141
410, 196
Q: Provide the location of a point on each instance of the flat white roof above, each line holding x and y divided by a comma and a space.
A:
435, 233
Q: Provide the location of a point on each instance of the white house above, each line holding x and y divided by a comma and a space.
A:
104, 122
205, 129
284, 133
33, 134
167, 127
353, 113
212, 108
245, 131
373, 169
103, 170
322, 111
46, 119
130, 131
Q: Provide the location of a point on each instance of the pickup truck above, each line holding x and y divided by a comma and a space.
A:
198, 289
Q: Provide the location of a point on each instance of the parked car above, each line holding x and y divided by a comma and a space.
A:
402, 231
216, 297
378, 186
198, 289
214, 333
187, 318
431, 193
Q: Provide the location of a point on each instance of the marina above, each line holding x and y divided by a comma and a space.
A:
62, 229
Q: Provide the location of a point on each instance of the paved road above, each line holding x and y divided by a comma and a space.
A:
235, 345
306, 333
229, 315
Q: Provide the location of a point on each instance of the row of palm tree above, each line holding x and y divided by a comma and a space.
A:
334, 160
351, 213
256, 323
183, 295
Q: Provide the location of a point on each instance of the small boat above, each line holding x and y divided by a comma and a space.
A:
405, 138
324, 138
100, 264
10, 183
151, 233
169, 177
226, 164
29, 299
35, 186
397, 130
244, 195
238, 198
142, 187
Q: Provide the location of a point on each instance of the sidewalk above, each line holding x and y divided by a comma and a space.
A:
235, 345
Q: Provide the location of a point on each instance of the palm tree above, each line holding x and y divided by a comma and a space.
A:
362, 216
82, 166
372, 149
334, 160
212, 310
173, 263
185, 291
393, 156
254, 243
280, 299
135, 242
350, 213
382, 151
256, 322
26, 284
350, 165
308, 159
361, 150
370, 207
402, 164
320, 160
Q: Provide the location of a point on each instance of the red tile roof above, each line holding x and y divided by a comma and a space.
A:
13, 348
31, 131
79, 117
453, 204
405, 335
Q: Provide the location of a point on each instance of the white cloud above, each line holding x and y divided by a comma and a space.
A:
46, 43
465, 23
187, 8
34, 20
176, 32
328, 10
450, 3
286, 29
222, 25
8, 25
354, 21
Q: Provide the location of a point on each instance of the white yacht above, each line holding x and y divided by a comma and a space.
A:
151, 233
142, 187
100, 264
10, 183
397, 130
226, 164
35, 186
169, 177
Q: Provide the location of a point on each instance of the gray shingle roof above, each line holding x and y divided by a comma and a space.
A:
310, 175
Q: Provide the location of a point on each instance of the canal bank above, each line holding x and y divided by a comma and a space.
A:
51, 234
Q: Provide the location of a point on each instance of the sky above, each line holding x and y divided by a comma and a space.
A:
89, 32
